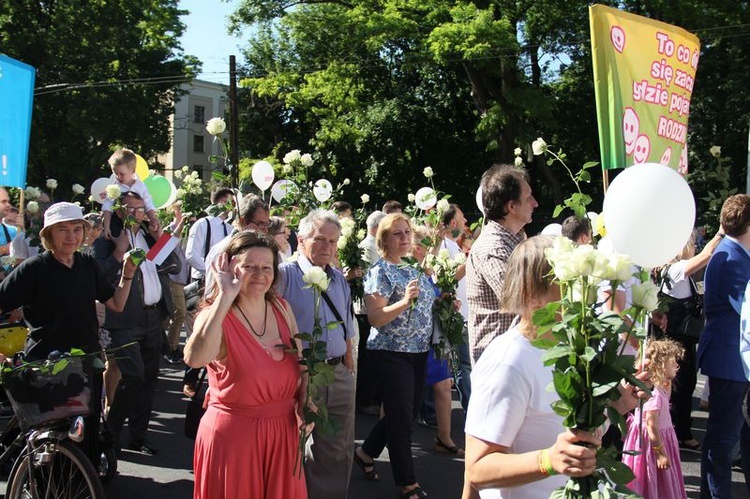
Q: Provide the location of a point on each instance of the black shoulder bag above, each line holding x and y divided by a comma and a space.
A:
195, 410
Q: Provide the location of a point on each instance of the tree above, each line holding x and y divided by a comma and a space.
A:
107, 76
385, 84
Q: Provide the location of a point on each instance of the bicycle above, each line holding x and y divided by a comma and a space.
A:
49, 399
50, 465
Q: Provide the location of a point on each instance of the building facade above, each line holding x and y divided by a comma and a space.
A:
192, 145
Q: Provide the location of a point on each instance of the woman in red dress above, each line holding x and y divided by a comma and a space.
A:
247, 440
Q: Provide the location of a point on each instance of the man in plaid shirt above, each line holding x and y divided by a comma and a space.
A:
508, 206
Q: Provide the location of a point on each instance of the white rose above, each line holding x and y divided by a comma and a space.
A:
180, 193
619, 268
539, 146
293, 155
216, 126
32, 207
646, 295
411, 197
33, 193
459, 258
517, 151
78, 189
341, 244
443, 206
361, 234
365, 198
518, 161
51, 184
113, 191
347, 181
444, 254
306, 160
178, 174
428, 172
715, 151
316, 277
560, 256
585, 257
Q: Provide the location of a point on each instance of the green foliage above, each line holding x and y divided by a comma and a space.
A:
87, 53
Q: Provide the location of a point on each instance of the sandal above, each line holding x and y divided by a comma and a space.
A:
371, 474
691, 444
415, 493
446, 449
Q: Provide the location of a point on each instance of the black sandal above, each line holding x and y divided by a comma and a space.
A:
415, 493
371, 475
441, 447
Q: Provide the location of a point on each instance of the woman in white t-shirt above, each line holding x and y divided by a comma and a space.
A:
675, 278
516, 446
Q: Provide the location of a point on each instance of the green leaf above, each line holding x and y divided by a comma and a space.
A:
557, 211
589, 354
60, 365
332, 325
555, 353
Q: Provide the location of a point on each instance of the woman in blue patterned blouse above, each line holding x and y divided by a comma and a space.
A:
399, 306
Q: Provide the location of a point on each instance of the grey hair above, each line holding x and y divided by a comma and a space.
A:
373, 220
315, 219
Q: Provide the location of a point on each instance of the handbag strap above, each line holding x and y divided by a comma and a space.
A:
199, 384
331, 306
693, 287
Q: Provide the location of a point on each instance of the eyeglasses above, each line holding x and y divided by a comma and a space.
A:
261, 225
139, 209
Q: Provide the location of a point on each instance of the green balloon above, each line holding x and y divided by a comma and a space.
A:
161, 190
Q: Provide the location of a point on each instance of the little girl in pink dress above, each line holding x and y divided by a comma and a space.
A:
657, 468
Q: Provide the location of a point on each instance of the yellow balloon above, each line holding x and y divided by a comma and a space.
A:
141, 167
600, 228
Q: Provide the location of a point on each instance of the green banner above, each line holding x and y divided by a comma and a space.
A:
644, 72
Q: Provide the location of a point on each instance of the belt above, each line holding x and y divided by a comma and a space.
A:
150, 307
334, 361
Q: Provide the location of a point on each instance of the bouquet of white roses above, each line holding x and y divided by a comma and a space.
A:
583, 346
452, 325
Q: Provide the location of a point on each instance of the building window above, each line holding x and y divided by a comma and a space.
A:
199, 114
197, 143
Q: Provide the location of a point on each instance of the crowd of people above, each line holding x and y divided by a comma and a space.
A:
86, 287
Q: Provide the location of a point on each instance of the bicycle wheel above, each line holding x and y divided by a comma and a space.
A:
65, 474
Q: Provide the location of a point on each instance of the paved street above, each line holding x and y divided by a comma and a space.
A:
168, 475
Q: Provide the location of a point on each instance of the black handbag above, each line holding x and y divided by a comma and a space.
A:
194, 411
694, 321
193, 294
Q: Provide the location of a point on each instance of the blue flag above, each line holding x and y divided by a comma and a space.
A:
16, 102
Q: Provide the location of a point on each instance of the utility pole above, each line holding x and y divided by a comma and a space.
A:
234, 123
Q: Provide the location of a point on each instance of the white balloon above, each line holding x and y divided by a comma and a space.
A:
552, 230
478, 198
322, 190
281, 188
98, 189
425, 198
650, 213
263, 175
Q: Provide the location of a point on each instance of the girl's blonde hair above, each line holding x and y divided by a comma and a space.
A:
659, 353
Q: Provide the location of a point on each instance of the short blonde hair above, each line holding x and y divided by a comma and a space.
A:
385, 227
123, 157
528, 275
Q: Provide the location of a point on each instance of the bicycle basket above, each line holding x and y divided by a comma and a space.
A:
41, 392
